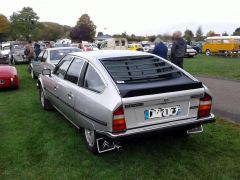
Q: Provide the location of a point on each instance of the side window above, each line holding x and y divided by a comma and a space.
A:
63, 66
74, 70
93, 81
44, 58
117, 43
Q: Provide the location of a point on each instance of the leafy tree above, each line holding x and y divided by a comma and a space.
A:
188, 35
24, 22
199, 34
225, 34
100, 34
85, 29
210, 33
237, 32
49, 31
4, 27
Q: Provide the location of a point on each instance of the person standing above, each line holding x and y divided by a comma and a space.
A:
37, 49
178, 49
29, 51
160, 48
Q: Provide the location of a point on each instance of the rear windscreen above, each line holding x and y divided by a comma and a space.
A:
136, 69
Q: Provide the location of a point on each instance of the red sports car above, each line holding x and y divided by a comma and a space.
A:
8, 77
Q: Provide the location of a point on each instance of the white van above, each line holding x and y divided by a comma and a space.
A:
114, 44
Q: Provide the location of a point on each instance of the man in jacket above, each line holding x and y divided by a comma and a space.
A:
178, 49
160, 48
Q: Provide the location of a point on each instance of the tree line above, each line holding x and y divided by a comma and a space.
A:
25, 25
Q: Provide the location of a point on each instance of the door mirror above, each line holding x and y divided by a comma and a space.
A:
46, 72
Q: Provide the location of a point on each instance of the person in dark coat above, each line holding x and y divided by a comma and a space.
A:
37, 49
178, 49
160, 48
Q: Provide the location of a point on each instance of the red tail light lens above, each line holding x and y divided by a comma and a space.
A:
205, 105
119, 123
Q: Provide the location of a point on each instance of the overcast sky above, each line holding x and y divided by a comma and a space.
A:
141, 17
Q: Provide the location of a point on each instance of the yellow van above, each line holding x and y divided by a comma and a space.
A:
227, 45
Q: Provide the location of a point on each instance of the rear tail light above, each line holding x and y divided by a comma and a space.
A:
119, 123
205, 105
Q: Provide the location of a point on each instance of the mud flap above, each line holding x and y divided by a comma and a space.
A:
195, 130
105, 145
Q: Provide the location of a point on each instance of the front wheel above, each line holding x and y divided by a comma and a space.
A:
32, 74
90, 139
44, 102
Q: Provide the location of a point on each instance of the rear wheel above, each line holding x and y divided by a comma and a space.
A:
32, 74
208, 53
90, 139
44, 102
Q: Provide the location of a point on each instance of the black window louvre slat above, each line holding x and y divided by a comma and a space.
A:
130, 59
132, 65
145, 69
147, 75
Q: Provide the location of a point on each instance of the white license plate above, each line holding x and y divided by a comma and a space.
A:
162, 112
2, 82
192, 53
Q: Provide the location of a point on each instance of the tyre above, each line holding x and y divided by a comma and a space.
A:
90, 139
44, 102
208, 53
32, 74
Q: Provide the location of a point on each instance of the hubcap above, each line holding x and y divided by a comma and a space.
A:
90, 137
32, 73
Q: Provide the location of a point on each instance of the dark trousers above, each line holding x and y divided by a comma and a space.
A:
178, 61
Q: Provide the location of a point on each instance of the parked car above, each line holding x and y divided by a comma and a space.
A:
94, 47
135, 47
86, 46
197, 48
16, 54
4, 52
190, 52
8, 77
116, 94
49, 58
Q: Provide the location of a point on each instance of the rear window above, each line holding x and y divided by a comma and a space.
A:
59, 53
137, 69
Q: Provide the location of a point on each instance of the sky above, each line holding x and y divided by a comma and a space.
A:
139, 17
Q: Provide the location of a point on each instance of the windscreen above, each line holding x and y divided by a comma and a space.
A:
59, 53
137, 69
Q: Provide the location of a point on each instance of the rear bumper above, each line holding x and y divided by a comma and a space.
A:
185, 123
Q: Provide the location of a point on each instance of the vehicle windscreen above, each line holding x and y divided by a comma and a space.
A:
138, 69
6, 48
59, 53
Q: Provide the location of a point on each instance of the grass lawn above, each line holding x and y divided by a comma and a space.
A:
36, 144
214, 66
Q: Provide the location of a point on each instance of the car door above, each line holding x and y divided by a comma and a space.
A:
88, 101
68, 88
37, 63
53, 86
42, 63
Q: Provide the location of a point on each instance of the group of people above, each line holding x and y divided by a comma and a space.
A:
32, 51
177, 51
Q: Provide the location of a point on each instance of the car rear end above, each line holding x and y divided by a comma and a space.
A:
156, 95
8, 77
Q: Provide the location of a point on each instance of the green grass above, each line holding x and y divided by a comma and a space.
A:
36, 144
214, 66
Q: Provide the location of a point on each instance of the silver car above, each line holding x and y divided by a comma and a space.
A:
116, 94
48, 59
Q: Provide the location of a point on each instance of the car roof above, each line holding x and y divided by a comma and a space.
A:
103, 54
56, 48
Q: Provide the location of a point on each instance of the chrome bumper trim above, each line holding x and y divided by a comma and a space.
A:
159, 127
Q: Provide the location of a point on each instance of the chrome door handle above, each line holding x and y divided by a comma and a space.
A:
55, 87
70, 95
